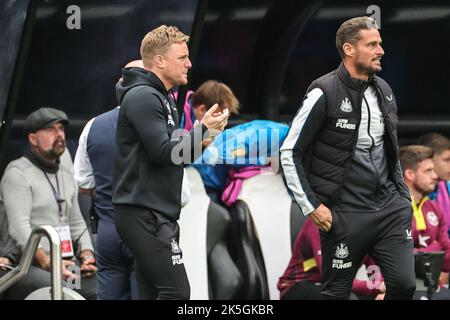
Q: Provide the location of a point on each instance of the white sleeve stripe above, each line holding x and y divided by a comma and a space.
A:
287, 160
293, 182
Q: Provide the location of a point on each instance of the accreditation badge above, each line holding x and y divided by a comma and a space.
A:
66, 241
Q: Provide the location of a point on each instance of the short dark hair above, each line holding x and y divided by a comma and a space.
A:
411, 156
348, 32
435, 141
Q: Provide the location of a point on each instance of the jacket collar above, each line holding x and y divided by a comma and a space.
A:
135, 76
353, 83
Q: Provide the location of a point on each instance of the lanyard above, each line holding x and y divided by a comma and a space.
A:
56, 193
418, 214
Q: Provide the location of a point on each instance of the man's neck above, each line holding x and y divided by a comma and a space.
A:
166, 84
354, 73
417, 195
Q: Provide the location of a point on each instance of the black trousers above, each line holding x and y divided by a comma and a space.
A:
153, 239
384, 235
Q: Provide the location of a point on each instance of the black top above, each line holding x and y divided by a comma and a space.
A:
324, 136
150, 150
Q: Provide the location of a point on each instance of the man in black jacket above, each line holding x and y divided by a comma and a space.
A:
340, 162
148, 173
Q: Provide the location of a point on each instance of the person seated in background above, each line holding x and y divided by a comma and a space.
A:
197, 103
240, 152
206, 95
441, 160
302, 279
36, 190
429, 229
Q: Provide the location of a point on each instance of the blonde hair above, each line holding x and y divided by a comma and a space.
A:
158, 41
211, 92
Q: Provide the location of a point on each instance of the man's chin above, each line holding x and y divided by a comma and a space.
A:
430, 190
58, 151
368, 69
376, 68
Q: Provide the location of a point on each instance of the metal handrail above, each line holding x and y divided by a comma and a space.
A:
28, 254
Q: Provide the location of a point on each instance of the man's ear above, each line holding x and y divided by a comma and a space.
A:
159, 61
348, 49
409, 175
32, 139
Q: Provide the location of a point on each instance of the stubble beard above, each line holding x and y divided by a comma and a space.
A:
424, 189
366, 69
56, 151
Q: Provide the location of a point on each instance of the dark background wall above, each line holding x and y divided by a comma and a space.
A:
267, 51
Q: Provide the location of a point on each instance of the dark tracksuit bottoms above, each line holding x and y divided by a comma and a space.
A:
385, 235
153, 238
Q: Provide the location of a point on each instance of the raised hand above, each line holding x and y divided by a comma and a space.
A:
215, 120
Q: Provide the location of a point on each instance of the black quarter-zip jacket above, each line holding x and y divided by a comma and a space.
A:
146, 173
321, 158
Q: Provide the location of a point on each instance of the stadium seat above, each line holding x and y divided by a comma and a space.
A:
266, 222
203, 239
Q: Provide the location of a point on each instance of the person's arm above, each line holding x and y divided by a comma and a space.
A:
83, 173
88, 263
8, 249
443, 239
78, 228
43, 260
144, 111
17, 200
5, 261
442, 242
304, 130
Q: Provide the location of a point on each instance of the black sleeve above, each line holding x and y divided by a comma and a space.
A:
145, 112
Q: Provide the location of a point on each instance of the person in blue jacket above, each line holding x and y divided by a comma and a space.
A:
197, 103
